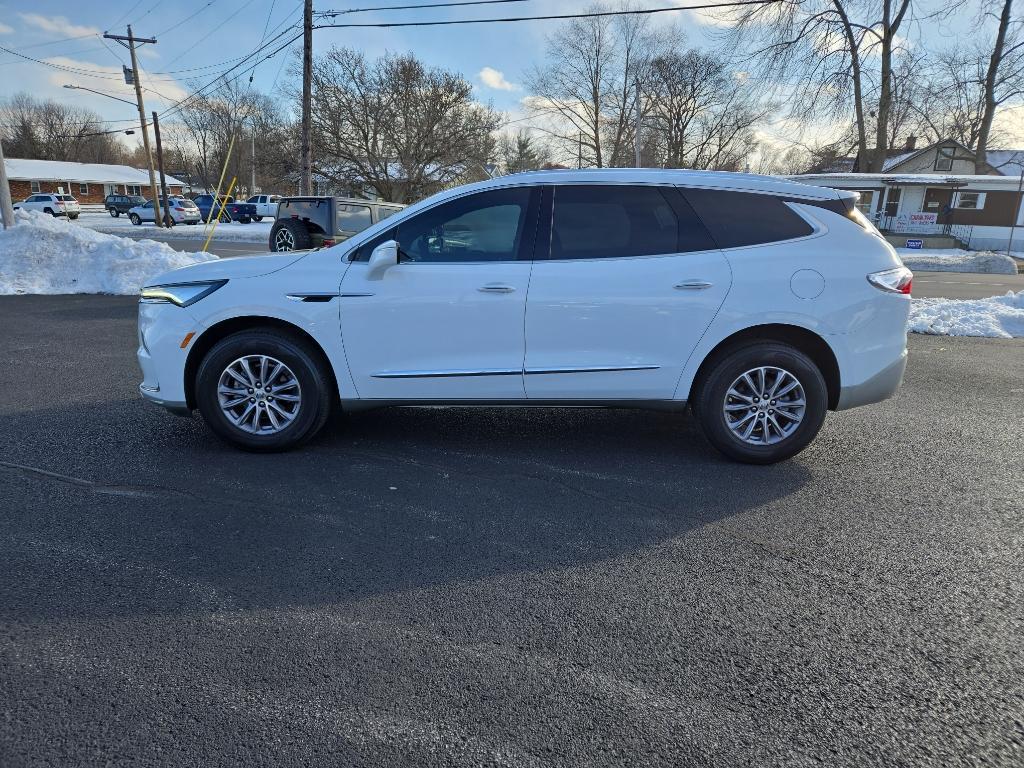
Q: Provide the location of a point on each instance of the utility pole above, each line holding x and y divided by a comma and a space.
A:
636, 132
252, 187
306, 181
6, 207
160, 164
129, 42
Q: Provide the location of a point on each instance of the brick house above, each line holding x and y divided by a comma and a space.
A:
89, 183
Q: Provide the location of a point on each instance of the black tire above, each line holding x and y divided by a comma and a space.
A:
191, 223
225, 217
709, 400
73, 216
296, 230
114, 212
49, 211
134, 219
257, 218
244, 220
309, 368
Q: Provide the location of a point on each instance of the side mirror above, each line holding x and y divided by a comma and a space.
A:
383, 257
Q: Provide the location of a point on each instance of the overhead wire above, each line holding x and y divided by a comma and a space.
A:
417, 6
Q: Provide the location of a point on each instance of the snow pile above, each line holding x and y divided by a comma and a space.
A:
957, 260
997, 316
254, 232
41, 254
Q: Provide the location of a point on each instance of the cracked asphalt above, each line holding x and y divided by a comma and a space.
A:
503, 586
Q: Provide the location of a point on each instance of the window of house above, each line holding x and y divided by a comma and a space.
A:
865, 201
973, 201
36, 189
892, 200
133, 189
83, 189
944, 158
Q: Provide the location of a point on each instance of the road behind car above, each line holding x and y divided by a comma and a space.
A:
503, 586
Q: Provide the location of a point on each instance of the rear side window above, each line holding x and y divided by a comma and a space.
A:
353, 218
736, 219
615, 221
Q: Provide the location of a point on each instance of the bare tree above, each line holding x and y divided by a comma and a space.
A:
1004, 73
31, 128
704, 113
832, 55
395, 126
586, 90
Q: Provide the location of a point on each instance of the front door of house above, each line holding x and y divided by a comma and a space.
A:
937, 200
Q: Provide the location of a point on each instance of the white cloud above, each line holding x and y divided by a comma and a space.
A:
5, 30
57, 24
492, 78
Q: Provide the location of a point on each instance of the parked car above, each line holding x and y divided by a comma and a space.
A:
266, 205
55, 205
758, 302
226, 208
118, 204
316, 222
181, 210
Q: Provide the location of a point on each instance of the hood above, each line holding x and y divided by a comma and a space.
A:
230, 268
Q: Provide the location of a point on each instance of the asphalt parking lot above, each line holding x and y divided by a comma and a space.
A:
503, 586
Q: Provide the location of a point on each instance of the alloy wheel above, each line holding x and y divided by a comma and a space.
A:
259, 394
284, 241
764, 405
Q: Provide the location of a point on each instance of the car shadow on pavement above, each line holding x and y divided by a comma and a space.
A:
118, 509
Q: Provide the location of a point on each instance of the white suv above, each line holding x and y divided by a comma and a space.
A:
760, 303
55, 205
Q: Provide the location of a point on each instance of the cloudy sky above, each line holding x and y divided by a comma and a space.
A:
198, 38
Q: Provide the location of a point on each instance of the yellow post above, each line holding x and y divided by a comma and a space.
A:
216, 221
223, 173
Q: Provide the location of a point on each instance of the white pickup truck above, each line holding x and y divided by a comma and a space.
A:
266, 205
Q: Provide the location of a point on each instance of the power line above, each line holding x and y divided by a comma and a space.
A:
186, 19
126, 14
561, 16
417, 6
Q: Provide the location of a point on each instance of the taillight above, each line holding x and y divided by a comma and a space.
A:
180, 210
892, 280
328, 242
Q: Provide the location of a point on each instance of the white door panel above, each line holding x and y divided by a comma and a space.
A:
618, 329
436, 331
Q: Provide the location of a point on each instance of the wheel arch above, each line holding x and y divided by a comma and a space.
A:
808, 342
205, 342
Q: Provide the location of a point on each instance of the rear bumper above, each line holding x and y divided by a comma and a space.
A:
881, 386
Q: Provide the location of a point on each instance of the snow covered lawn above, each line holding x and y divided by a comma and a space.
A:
41, 254
957, 260
998, 316
254, 232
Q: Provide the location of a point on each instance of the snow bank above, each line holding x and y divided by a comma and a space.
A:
957, 260
998, 316
41, 254
254, 232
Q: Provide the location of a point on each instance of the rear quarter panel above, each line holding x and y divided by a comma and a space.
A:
864, 327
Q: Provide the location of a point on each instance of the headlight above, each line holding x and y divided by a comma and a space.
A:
182, 294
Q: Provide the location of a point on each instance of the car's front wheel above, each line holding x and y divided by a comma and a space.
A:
134, 218
114, 212
257, 219
762, 402
262, 390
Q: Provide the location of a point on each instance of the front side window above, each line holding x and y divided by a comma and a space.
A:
737, 219
353, 218
487, 226
944, 158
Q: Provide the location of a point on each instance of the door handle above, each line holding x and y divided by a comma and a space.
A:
694, 284
496, 288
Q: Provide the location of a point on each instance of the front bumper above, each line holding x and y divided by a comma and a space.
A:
162, 329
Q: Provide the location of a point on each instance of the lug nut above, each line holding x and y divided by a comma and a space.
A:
250, 390
252, 399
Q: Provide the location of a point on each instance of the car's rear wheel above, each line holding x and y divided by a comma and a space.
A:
49, 211
134, 218
290, 235
762, 402
262, 390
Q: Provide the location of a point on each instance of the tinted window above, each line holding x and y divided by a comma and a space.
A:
614, 221
353, 218
487, 226
383, 212
740, 218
